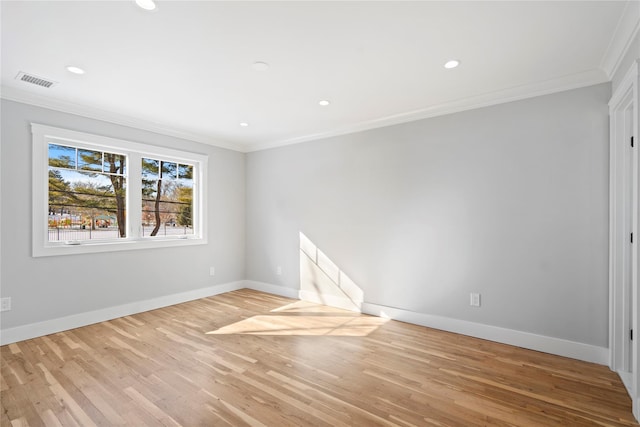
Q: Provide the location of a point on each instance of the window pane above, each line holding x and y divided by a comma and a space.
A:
185, 171
85, 205
61, 156
169, 170
185, 207
184, 190
115, 163
167, 202
90, 160
150, 168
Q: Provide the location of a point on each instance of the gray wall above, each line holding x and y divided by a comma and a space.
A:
510, 201
51, 287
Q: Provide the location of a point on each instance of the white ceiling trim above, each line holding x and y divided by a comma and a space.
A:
13, 94
625, 32
573, 81
570, 82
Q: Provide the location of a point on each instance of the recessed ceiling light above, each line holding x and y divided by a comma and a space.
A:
260, 66
324, 102
452, 64
75, 70
244, 124
146, 4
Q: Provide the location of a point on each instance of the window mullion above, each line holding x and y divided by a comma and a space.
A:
134, 195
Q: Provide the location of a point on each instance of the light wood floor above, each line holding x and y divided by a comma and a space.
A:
249, 358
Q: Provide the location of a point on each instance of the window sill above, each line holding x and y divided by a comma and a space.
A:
88, 247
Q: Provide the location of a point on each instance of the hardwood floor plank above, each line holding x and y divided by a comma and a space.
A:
63, 392
50, 418
247, 358
148, 406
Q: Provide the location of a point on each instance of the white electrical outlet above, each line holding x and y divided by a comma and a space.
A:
5, 304
279, 271
474, 300
212, 271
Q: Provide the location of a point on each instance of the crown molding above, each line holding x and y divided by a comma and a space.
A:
623, 36
573, 81
18, 95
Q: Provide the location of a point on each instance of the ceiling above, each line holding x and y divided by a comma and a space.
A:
186, 68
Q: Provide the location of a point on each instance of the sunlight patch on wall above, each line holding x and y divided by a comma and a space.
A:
321, 280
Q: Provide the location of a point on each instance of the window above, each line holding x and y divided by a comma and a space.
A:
98, 194
87, 194
167, 197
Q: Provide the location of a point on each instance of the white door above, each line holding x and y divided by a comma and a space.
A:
624, 232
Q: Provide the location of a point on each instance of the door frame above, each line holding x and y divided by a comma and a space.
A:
623, 313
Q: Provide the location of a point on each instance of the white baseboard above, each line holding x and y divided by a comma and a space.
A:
282, 291
545, 344
557, 346
627, 380
33, 330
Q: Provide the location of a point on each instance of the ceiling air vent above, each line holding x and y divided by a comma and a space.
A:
39, 81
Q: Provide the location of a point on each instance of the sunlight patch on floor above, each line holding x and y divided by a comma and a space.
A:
303, 318
311, 307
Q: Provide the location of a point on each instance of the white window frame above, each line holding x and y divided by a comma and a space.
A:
43, 135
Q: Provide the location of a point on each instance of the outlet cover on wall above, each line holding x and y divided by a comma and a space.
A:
279, 271
212, 271
5, 304
474, 300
